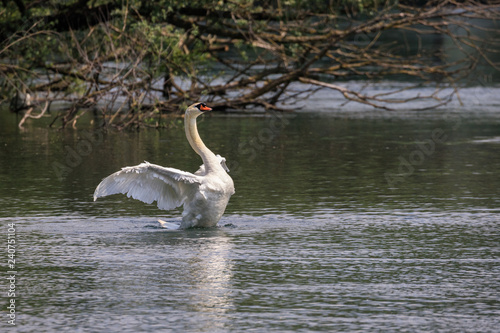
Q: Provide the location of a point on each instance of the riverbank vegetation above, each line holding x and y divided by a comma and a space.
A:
130, 61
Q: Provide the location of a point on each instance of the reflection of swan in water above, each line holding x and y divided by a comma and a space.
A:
210, 275
186, 278
204, 194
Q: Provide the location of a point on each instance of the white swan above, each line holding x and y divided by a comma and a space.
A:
204, 194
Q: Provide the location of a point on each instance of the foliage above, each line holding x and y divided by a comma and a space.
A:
127, 60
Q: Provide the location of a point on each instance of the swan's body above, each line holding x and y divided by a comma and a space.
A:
204, 194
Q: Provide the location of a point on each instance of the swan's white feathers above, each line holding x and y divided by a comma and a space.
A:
148, 182
204, 194
222, 161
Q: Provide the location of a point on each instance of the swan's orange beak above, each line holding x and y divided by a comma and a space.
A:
205, 108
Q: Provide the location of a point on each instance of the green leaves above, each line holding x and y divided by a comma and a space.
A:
129, 57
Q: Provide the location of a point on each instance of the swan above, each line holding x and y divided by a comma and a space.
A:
204, 195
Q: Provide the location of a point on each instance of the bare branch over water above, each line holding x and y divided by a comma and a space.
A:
131, 63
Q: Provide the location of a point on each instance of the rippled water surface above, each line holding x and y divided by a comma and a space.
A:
339, 224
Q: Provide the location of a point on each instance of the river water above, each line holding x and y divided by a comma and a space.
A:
342, 222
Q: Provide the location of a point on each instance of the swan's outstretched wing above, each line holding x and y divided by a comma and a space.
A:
147, 182
222, 160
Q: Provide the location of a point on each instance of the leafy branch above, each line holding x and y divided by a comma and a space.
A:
130, 62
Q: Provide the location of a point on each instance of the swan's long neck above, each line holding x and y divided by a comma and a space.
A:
209, 159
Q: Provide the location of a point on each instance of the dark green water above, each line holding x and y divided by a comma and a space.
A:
347, 223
